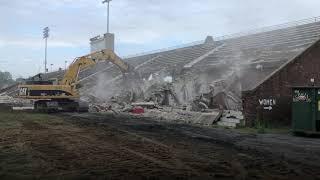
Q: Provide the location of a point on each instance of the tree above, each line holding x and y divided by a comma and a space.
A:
5, 79
20, 79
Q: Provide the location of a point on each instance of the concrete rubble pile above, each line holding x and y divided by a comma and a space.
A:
5, 99
161, 102
212, 89
9, 102
197, 98
231, 118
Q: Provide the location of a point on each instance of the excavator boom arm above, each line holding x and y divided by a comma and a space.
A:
71, 75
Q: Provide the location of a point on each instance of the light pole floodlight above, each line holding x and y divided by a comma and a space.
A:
65, 65
46, 32
45, 36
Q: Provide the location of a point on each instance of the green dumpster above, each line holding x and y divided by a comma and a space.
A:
306, 110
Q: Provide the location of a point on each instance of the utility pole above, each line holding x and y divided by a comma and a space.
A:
45, 36
107, 1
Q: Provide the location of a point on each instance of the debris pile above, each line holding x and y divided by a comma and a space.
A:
4, 99
160, 101
9, 102
196, 97
231, 119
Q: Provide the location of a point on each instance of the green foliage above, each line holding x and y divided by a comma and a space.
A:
20, 79
264, 127
5, 76
260, 126
13, 119
5, 79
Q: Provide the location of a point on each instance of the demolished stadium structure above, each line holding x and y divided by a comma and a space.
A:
209, 74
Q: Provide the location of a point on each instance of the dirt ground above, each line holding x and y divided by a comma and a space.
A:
104, 146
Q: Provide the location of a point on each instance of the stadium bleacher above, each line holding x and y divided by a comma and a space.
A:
258, 54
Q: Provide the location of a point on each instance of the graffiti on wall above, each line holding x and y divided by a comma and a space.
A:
267, 103
301, 96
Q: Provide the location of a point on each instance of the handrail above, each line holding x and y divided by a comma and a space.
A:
234, 35
164, 49
270, 28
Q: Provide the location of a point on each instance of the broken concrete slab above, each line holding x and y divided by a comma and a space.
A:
181, 116
208, 118
231, 118
22, 108
4, 99
145, 104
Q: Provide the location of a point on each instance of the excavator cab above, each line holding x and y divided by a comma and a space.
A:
38, 82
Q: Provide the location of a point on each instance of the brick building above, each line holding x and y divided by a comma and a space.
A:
271, 100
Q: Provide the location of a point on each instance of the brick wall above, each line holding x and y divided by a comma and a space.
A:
276, 91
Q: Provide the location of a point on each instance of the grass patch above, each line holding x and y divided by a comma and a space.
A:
257, 130
10, 119
264, 130
23, 133
265, 127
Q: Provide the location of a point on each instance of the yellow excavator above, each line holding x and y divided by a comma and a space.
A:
64, 95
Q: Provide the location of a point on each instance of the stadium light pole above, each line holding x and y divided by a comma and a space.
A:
45, 36
65, 65
103, 2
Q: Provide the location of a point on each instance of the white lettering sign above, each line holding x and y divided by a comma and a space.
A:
268, 108
267, 102
23, 91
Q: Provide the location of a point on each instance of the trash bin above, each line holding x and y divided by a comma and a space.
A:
306, 110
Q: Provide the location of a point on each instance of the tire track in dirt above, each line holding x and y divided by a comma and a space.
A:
182, 158
62, 150
95, 146
229, 160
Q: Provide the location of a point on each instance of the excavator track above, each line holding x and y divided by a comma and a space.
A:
51, 106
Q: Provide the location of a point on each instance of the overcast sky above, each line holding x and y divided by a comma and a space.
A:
139, 25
